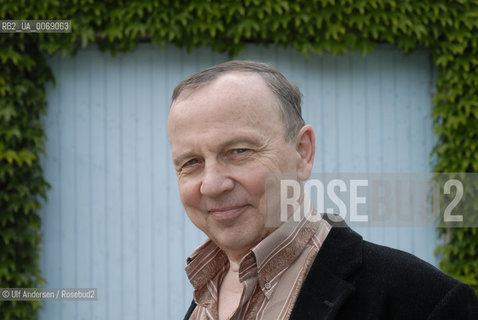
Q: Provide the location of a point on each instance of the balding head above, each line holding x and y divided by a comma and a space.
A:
287, 94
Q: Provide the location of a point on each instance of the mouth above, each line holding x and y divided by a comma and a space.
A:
227, 213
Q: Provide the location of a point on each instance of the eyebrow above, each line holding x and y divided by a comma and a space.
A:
248, 141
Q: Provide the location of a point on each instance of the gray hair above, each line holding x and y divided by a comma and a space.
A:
286, 92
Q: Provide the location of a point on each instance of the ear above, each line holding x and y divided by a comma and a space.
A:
305, 145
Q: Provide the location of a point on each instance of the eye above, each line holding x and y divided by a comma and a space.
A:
188, 166
190, 163
238, 151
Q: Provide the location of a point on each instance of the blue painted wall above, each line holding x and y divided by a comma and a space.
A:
114, 220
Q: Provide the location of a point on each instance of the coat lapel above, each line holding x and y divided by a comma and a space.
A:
326, 287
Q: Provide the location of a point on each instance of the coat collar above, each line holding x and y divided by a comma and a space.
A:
326, 287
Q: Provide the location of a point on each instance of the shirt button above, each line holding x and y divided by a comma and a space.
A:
267, 285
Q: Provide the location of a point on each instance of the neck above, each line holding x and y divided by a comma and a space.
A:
235, 259
234, 266
235, 256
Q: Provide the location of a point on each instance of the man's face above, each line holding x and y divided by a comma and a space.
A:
226, 137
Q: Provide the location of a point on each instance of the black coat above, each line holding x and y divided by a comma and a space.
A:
355, 279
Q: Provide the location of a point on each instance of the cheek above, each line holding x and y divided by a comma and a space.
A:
253, 177
189, 194
190, 197
253, 180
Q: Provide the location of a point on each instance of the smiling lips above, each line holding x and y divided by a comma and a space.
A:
227, 212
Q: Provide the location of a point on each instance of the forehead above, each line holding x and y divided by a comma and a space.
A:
236, 98
233, 85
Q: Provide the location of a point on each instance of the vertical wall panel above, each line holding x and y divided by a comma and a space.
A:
114, 220
97, 183
113, 289
160, 172
68, 185
144, 165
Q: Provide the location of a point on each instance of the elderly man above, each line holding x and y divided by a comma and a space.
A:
230, 127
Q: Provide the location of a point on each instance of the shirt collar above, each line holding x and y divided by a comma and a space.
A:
267, 260
280, 249
204, 263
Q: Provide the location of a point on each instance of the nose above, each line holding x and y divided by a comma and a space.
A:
215, 181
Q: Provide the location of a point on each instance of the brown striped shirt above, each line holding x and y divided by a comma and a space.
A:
272, 272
